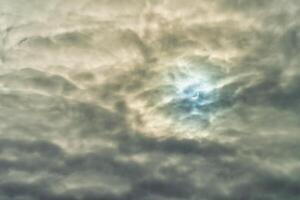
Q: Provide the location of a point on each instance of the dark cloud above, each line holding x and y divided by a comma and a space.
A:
270, 91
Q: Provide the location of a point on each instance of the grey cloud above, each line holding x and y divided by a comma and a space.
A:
290, 43
243, 5
269, 91
34, 79
261, 188
43, 148
170, 188
136, 143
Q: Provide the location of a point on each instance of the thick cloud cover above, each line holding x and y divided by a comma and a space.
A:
149, 100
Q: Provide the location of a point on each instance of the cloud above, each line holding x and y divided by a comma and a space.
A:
149, 100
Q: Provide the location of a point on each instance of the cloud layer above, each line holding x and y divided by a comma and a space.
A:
149, 100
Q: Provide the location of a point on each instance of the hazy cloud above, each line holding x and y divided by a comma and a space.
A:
149, 100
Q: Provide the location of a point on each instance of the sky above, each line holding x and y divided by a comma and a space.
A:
149, 100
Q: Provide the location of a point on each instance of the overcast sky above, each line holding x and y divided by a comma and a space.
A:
149, 100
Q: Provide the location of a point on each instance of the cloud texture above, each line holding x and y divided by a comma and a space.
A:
149, 100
